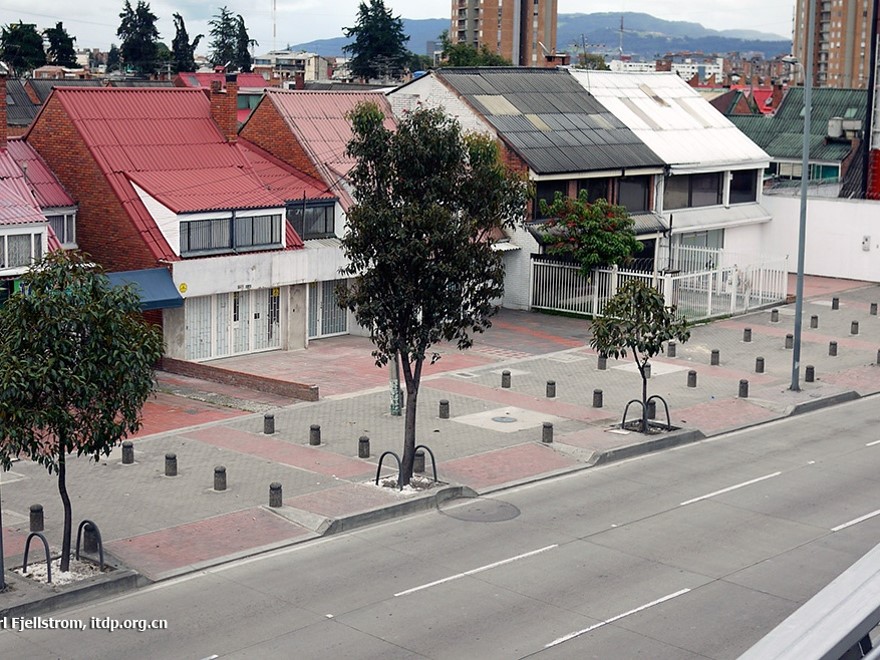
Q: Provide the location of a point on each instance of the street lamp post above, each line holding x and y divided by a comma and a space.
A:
807, 69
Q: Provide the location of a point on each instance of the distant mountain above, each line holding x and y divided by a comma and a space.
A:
643, 36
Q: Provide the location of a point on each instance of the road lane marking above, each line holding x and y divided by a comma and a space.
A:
477, 570
856, 521
730, 488
871, 444
569, 636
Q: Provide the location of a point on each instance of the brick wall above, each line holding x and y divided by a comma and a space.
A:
229, 377
103, 228
267, 129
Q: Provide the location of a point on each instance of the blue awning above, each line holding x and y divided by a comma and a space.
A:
154, 285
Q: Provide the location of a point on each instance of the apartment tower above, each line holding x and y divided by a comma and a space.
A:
522, 31
841, 41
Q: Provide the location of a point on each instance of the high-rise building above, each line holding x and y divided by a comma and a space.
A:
841, 41
522, 31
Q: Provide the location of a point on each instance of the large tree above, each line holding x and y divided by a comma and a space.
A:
422, 266
183, 52
60, 51
243, 45
22, 47
76, 367
140, 37
224, 38
113, 58
379, 47
462, 54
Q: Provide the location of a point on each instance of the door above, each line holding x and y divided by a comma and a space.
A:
233, 323
326, 318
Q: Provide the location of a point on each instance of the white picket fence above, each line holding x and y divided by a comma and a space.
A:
710, 284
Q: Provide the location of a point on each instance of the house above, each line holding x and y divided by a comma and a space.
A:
556, 133
20, 108
163, 181
248, 95
287, 66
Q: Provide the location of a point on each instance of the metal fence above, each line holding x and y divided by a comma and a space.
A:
722, 286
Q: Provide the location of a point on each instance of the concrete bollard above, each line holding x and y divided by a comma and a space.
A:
547, 433
90, 538
774, 316
219, 477
505, 378
444, 409
789, 341
648, 370
716, 357
671, 349
275, 495
692, 378
36, 521
603, 363
835, 303
832, 348
811, 373
747, 334
127, 452
597, 398
419, 461
651, 408
743, 389
170, 465
873, 309
759, 365
268, 424
814, 321
878, 356
363, 447
315, 435
854, 328
551, 389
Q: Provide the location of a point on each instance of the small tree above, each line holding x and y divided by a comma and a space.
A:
182, 51
22, 47
379, 48
76, 367
140, 37
60, 51
462, 54
423, 270
590, 233
636, 319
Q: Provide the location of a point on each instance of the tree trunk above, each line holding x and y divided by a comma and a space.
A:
641, 367
65, 500
412, 375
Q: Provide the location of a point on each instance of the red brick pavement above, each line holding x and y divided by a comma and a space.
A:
809, 335
864, 380
282, 451
166, 412
719, 415
503, 465
344, 500
168, 549
13, 542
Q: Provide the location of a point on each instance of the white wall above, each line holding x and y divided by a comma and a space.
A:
431, 93
517, 270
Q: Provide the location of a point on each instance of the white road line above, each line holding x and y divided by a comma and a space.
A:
871, 444
856, 521
556, 642
730, 488
477, 570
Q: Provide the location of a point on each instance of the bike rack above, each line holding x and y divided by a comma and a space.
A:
666, 407
626, 410
79, 534
27, 547
433, 461
399, 468
650, 398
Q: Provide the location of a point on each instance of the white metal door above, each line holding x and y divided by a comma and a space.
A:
326, 318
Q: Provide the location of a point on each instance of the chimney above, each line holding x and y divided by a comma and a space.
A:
3, 126
224, 106
299, 80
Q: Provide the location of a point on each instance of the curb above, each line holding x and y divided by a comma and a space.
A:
666, 441
824, 402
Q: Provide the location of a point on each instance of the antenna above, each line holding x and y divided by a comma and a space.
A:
274, 21
620, 47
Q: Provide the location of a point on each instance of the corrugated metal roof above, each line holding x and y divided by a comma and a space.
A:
718, 217
166, 141
781, 135
20, 110
200, 79
549, 119
47, 189
16, 210
671, 118
42, 87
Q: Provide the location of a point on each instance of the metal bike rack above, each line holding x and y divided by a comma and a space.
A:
79, 534
27, 547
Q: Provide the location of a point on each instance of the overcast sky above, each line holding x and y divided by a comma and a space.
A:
94, 22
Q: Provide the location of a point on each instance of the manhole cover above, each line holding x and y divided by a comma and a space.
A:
504, 419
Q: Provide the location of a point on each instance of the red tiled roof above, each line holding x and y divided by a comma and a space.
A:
15, 209
199, 79
166, 142
318, 121
47, 189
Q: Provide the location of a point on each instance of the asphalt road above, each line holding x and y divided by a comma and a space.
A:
689, 553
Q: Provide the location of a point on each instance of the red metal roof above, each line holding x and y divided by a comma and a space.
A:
166, 142
46, 188
15, 209
318, 120
205, 79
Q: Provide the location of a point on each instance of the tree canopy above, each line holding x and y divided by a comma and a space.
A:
462, 54
243, 43
182, 50
422, 267
60, 51
137, 29
590, 233
379, 48
113, 58
637, 320
76, 367
22, 47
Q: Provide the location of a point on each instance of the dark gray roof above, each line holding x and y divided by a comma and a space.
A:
20, 110
549, 119
141, 83
43, 87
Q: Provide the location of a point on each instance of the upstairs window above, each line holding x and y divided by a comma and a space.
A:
20, 250
233, 234
692, 190
546, 191
313, 220
744, 186
596, 188
64, 226
634, 193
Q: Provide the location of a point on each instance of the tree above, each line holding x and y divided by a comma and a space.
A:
637, 320
591, 61
22, 47
379, 47
423, 270
224, 38
76, 366
183, 53
60, 52
113, 58
462, 54
139, 37
591, 233
243, 44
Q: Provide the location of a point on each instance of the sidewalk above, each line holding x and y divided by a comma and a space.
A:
165, 526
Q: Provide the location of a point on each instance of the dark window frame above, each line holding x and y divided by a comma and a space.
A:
321, 225
226, 235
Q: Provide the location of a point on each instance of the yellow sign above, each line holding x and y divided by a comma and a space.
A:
182, 287
275, 291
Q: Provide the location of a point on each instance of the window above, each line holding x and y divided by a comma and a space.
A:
230, 234
64, 226
692, 190
743, 186
316, 220
546, 191
633, 193
596, 188
19, 250
258, 231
